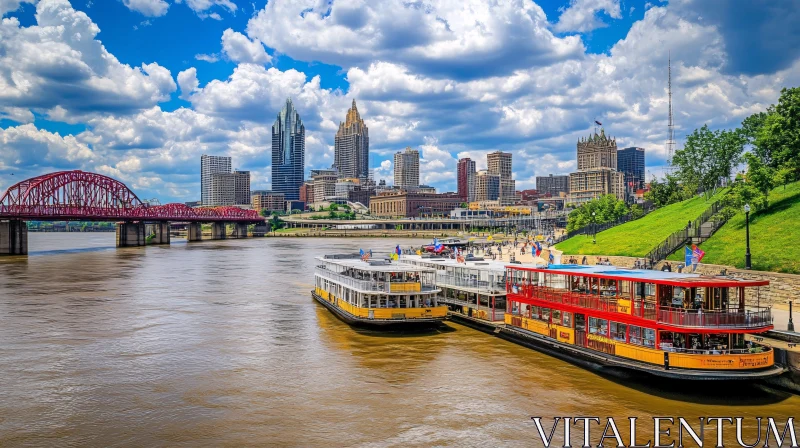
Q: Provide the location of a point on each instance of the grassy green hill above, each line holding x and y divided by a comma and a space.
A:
774, 236
637, 238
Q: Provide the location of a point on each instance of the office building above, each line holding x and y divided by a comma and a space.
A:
499, 163
597, 173
466, 179
307, 191
406, 168
351, 146
324, 182
210, 165
405, 204
230, 188
630, 162
288, 152
268, 200
487, 186
552, 185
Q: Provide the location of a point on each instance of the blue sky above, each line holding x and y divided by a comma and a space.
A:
139, 89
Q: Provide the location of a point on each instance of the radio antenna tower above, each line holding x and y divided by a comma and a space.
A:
671, 124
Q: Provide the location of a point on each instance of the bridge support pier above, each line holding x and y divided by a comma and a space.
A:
160, 232
218, 231
194, 232
240, 230
13, 237
131, 234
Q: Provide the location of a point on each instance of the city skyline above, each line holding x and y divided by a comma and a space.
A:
206, 77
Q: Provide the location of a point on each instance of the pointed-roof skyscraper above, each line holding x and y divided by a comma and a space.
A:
351, 150
288, 152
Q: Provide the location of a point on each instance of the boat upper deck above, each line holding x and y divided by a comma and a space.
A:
684, 279
376, 275
479, 276
672, 299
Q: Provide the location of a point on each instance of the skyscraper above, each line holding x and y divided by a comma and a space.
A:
630, 162
351, 150
288, 152
487, 186
406, 168
230, 188
210, 165
466, 179
499, 163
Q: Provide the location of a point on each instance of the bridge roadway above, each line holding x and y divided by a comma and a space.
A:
83, 196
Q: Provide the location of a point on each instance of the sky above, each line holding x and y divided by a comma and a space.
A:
139, 89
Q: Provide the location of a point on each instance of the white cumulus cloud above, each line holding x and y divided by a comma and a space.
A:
239, 48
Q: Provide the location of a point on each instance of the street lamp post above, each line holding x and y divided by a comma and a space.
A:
790, 327
747, 264
594, 229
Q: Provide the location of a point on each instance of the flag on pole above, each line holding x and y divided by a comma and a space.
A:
688, 254
699, 253
397, 249
361, 252
551, 258
538, 247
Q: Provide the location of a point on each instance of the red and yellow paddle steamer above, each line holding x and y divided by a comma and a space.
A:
666, 323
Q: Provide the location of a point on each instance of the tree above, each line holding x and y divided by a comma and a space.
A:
605, 208
275, 223
264, 212
636, 211
464, 205
668, 191
708, 157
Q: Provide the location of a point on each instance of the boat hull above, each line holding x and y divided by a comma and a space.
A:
379, 324
598, 361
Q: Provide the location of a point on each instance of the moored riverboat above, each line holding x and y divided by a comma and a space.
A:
378, 293
669, 324
475, 287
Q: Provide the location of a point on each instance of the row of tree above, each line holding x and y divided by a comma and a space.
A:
601, 210
768, 143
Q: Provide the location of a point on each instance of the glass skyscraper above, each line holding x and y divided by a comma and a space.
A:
288, 152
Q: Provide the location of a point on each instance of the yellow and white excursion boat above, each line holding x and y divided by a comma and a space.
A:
378, 292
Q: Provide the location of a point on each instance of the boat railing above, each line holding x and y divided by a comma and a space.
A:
735, 351
719, 319
375, 285
671, 316
455, 281
361, 285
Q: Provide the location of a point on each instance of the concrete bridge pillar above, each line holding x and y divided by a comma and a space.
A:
13, 237
240, 230
218, 231
194, 232
159, 231
130, 234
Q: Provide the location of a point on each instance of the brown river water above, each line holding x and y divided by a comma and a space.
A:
220, 344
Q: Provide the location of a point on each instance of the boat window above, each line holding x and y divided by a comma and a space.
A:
625, 288
618, 331
546, 314
642, 336
568, 319
598, 326
557, 317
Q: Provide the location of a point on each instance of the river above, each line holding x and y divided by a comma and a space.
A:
218, 343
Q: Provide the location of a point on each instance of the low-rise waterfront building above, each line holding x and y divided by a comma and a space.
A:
395, 204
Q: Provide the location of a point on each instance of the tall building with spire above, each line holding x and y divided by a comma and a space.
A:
351, 150
288, 152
